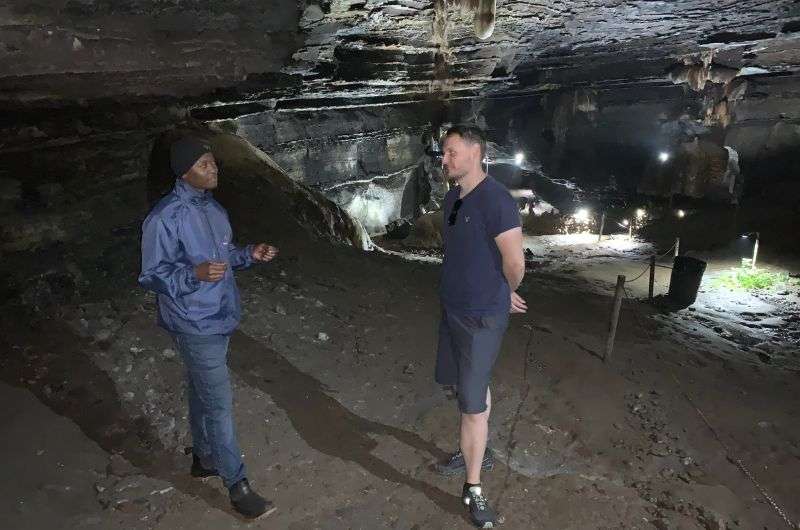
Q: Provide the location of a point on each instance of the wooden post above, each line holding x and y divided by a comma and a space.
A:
677, 247
612, 324
652, 277
602, 227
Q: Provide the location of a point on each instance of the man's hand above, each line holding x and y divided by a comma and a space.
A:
210, 271
264, 252
518, 304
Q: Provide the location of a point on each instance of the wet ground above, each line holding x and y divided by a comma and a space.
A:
759, 326
339, 418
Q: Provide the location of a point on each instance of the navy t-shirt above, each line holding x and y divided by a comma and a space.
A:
472, 281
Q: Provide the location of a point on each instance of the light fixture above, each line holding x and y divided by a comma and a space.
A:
663, 156
640, 214
627, 224
757, 235
581, 215
681, 214
519, 158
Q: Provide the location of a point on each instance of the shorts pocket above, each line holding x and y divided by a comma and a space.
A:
494, 321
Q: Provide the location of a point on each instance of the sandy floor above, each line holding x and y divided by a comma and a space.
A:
339, 418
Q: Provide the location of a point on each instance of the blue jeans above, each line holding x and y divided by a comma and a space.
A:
211, 404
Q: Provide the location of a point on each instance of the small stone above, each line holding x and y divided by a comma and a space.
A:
168, 353
279, 309
696, 473
102, 335
119, 466
764, 424
126, 506
409, 369
663, 524
128, 396
712, 520
323, 337
659, 450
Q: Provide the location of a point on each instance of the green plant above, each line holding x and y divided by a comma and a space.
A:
750, 280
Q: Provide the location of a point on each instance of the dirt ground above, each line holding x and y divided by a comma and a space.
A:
339, 418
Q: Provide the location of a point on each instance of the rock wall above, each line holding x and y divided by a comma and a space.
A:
596, 137
368, 159
87, 49
343, 94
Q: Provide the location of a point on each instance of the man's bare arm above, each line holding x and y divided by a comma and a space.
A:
510, 245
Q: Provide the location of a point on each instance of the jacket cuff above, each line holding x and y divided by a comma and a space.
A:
192, 282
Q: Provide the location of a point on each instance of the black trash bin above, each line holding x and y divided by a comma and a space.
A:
687, 273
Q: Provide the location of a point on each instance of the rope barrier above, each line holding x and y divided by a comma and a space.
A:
648, 266
728, 453
736, 461
642, 274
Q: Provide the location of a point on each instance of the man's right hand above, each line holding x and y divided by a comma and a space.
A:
210, 271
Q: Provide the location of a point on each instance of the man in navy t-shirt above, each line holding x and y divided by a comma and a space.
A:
483, 266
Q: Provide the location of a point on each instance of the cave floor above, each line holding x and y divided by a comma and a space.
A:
339, 418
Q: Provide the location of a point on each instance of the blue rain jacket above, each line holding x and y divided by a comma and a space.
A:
188, 227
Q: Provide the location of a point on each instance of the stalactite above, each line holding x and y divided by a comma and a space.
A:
485, 14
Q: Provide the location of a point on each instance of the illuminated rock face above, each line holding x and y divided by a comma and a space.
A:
344, 94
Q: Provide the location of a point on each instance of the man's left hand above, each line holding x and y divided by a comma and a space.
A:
264, 252
518, 304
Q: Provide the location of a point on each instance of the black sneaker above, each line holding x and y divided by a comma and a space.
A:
455, 464
199, 470
247, 502
481, 514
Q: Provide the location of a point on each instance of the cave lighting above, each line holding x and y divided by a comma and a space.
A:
625, 222
581, 215
640, 213
757, 235
663, 156
681, 214
519, 158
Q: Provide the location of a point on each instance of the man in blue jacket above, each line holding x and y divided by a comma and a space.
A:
188, 259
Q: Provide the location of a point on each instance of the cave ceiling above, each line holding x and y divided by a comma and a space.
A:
242, 56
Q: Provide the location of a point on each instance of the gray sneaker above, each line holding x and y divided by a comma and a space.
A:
480, 513
455, 464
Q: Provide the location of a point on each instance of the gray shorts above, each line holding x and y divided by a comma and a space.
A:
468, 348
